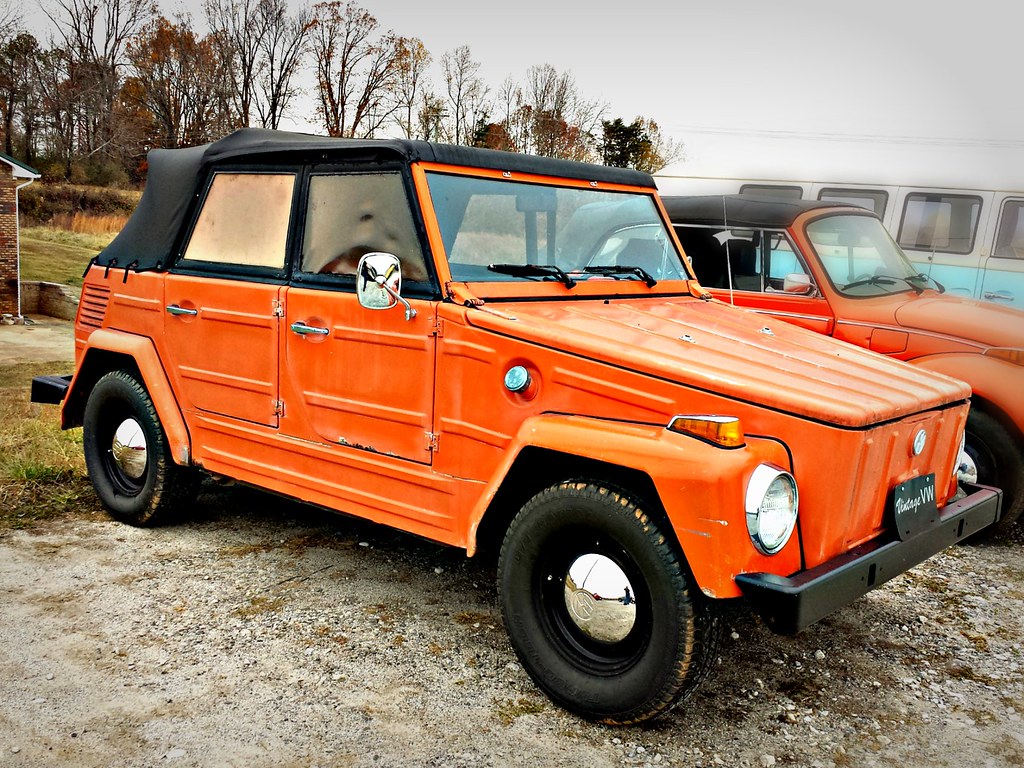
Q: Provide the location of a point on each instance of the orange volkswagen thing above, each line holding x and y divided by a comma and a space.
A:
481, 347
835, 269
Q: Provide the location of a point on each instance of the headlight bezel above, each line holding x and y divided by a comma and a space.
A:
770, 540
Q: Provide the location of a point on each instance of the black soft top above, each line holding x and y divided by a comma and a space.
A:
175, 175
740, 210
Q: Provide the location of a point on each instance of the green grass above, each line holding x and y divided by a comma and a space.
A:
42, 472
57, 255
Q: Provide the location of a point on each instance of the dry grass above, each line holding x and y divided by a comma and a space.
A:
42, 472
58, 255
89, 223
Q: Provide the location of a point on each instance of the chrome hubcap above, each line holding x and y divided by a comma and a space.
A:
599, 598
129, 449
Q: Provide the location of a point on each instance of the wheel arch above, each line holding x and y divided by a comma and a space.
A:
536, 468
996, 385
110, 351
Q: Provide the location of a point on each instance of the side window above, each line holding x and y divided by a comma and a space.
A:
759, 260
939, 222
872, 199
350, 215
1010, 240
244, 220
778, 191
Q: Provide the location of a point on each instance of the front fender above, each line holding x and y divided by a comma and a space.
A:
701, 487
996, 381
108, 350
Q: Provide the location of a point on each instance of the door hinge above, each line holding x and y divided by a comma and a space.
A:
278, 407
438, 327
432, 438
278, 307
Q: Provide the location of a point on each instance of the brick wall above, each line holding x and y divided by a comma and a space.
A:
8, 243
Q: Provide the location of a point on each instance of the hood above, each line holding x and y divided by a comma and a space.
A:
985, 323
722, 349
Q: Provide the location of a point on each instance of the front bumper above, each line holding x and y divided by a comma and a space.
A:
789, 604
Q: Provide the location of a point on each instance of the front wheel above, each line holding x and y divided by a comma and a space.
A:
999, 461
127, 454
600, 608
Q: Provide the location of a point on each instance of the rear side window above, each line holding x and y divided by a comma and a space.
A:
1010, 240
777, 191
244, 220
939, 222
872, 199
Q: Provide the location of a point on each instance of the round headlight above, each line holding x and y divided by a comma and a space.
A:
771, 505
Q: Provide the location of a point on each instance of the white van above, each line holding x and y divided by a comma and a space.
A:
969, 239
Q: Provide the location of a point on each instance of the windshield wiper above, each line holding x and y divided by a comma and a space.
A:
623, 270
877, 280
534, 270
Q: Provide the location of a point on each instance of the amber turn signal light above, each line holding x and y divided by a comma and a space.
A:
1009, 354
725, 431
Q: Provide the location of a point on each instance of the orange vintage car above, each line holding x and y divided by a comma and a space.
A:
835, 269
481, 347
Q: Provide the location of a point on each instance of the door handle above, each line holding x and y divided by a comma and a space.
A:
175, 310
998, 295
302, 329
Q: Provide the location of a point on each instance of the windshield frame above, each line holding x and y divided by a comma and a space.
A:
900, 283
589, 287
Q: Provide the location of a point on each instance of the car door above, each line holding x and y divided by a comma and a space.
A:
353, 376
759, 270
1004, 268
222, 298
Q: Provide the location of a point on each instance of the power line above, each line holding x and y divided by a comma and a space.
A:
851, 137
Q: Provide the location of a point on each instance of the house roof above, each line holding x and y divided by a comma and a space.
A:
21, 171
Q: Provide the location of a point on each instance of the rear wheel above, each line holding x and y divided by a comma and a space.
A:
599, 606
127, 454
999, 461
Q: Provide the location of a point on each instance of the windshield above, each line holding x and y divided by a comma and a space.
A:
860, 256
511, 231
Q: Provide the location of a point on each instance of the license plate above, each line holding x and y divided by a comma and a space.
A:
914, 505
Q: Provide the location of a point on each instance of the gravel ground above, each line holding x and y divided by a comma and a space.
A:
261, 632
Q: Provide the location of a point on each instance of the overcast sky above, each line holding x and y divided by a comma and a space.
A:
749, 82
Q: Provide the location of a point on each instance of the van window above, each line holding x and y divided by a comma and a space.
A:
244, 220
939, 222
872, 199
779, 191
1010, 240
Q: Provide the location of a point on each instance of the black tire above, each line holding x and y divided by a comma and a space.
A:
675, 634
142, 488
1000, 463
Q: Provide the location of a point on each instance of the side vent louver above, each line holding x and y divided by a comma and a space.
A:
93, 305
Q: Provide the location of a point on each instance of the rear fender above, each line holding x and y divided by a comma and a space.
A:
701, 487
107, 351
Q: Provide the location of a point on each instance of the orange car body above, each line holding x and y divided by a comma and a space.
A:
889, 309
408, 420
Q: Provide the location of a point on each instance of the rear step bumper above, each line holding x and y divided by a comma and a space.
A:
50, 389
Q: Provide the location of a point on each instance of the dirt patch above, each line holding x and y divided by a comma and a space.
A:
41, 340
261, 632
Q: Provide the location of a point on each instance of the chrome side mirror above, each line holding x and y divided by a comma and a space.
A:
797, 282
379, 283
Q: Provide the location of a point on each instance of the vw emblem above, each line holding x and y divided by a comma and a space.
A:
919, 440
582, 605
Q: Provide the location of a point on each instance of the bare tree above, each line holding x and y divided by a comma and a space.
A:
410, 70
95, 37
175, 81
356, 75
16, 83
560, 122
238, 31
467, 94
281, 49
